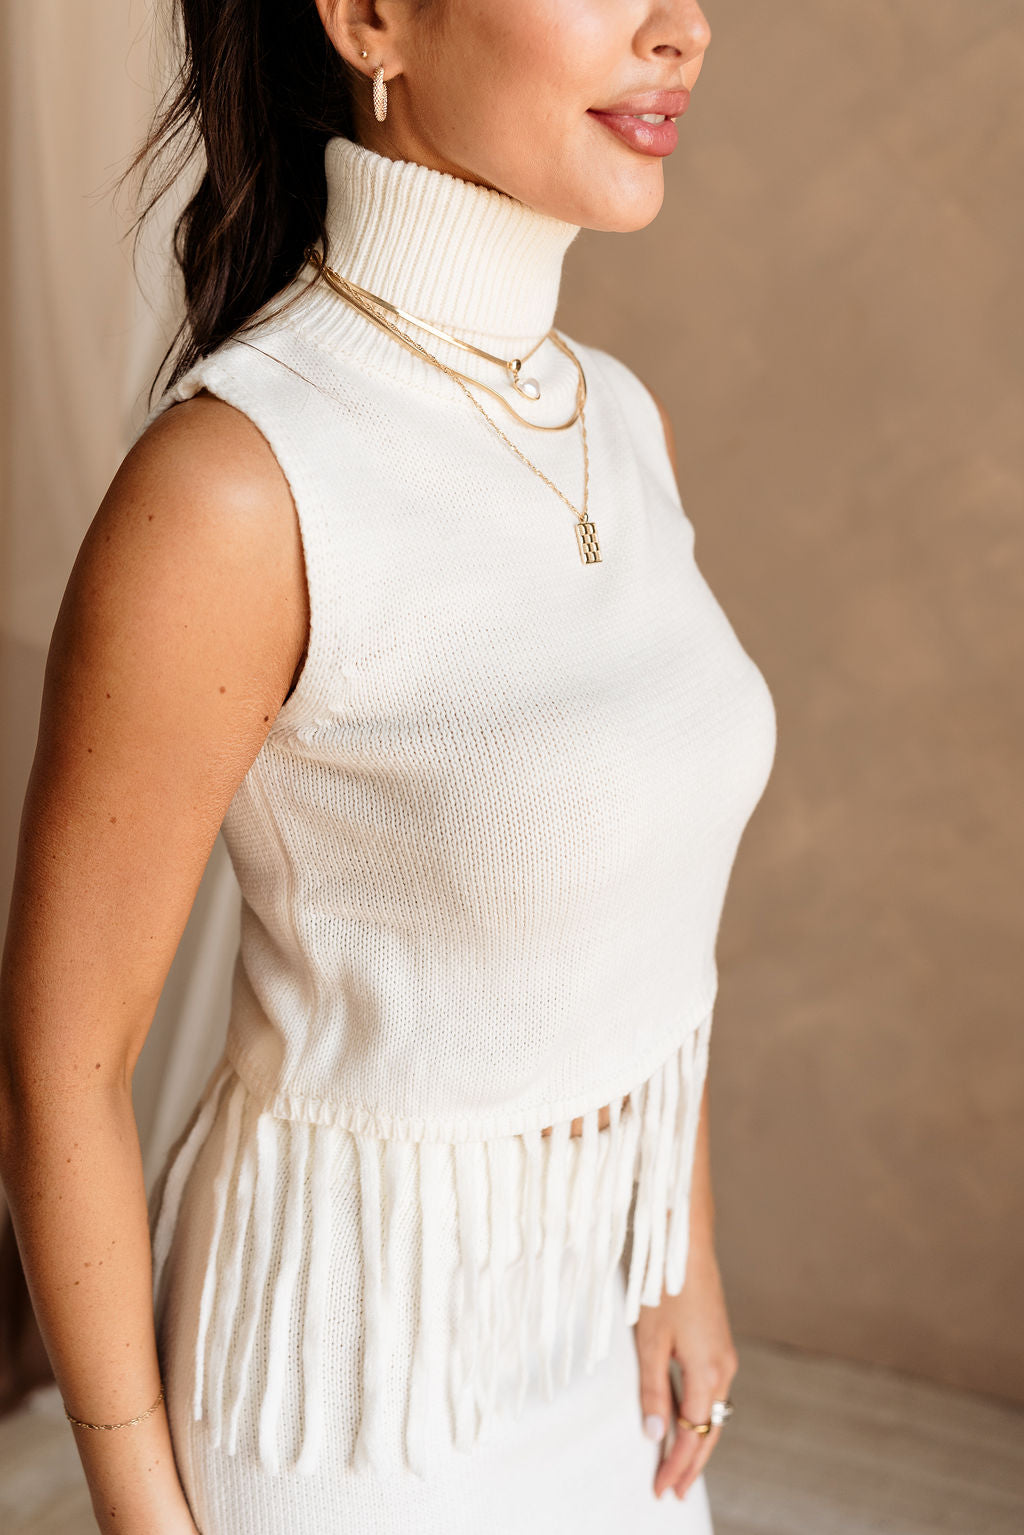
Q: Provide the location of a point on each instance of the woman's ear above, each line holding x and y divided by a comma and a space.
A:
375, 26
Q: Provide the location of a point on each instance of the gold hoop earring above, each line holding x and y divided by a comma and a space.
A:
380, 94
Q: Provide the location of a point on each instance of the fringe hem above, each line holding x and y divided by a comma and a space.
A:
541, 1228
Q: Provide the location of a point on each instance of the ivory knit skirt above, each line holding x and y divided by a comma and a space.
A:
576, 1463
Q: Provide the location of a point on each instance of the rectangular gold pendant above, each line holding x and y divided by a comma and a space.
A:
586, 538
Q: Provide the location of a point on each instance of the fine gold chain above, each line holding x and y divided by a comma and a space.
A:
128, 1423
366, 306
586, 533
513, 364
578, 512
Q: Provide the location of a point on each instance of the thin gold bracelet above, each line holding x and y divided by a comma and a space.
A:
128, 1423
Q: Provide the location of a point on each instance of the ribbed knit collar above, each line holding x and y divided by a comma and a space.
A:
464, 256
468, 258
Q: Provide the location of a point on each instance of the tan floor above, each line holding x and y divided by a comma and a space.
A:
817, 1447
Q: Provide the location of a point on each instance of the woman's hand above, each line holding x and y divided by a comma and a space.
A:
693, 1328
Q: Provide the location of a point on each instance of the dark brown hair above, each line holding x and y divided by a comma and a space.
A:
260, 89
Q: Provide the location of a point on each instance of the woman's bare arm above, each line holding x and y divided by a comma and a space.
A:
181, 628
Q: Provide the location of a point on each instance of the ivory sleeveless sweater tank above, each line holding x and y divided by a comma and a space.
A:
484, 848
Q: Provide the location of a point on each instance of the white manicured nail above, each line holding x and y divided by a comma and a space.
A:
654, 1427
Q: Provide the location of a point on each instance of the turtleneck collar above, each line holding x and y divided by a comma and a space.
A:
467, 258
463, 256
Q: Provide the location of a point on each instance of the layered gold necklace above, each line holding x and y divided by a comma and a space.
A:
376, 310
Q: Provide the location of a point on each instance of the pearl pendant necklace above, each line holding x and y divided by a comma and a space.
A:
529, 388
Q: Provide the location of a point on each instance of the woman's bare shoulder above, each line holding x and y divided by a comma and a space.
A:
201, 503
189, 589
204, 448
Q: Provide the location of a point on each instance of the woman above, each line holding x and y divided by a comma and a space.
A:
442, 1219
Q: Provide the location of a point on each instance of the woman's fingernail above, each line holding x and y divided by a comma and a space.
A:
654, 1427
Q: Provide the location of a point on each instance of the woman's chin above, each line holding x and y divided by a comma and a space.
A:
627, 203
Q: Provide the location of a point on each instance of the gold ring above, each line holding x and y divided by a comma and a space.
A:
721, 1412
698, 1428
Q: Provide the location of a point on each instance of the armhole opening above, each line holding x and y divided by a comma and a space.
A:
661, 437
658, 439
304, 660
303, 680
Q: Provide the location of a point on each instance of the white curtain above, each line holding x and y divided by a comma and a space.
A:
81, 340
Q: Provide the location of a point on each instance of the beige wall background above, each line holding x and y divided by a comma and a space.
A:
82, 332
829, 304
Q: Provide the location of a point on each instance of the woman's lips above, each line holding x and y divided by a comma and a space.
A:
648, 138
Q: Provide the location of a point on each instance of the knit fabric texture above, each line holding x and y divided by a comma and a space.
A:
484, 849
